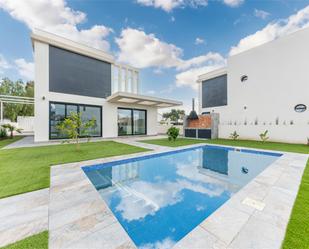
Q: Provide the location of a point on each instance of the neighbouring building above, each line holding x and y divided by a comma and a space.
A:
72, 77
264, 88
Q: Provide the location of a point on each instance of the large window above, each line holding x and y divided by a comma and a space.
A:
214, 92
131, 122
59, 111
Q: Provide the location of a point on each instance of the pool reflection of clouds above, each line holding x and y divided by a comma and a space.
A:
167, 243
160, 194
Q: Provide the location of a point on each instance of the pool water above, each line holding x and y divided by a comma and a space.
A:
158, 199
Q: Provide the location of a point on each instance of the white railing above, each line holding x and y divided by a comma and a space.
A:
125, 79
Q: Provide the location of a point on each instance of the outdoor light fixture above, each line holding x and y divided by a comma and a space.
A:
43, 98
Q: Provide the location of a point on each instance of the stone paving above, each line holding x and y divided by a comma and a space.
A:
244, 224
23, 215
255, 217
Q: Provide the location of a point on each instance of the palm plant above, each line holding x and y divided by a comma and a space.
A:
11, 129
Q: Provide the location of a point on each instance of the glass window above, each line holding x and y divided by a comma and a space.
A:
124, 122
131, 122
88, 113
59, 111
139, 122
57, 114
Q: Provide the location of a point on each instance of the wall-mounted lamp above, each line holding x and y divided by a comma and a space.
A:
43, 98
245, 107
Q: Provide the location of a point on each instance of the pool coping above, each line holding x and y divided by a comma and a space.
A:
78, 217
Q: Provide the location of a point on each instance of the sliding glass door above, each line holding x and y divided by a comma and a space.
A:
131, 122
59, 111
124, 122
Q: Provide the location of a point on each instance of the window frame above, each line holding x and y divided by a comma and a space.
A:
132, 121
65, 114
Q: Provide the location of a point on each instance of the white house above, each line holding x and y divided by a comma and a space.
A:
264, 88
72, 77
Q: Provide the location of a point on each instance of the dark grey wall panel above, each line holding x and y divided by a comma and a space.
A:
214, 92
204, 133
78, 74
190, 132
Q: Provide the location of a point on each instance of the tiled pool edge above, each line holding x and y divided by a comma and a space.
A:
69, 180
237, 225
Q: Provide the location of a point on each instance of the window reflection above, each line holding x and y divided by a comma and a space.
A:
131, 122
60, 111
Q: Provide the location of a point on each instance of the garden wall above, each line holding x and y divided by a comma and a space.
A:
277, 133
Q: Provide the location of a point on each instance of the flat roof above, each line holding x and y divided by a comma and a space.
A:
132, 98
62, 42
212, 74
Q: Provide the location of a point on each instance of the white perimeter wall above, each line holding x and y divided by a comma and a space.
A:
278, 79
109, 110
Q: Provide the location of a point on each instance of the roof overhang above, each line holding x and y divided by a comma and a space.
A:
212, 74
136, 99
61, 42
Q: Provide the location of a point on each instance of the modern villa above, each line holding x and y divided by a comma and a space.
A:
72, 77
264, 88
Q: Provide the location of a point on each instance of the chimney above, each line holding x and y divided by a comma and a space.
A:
193, 114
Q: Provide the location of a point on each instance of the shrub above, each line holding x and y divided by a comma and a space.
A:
264, 136
234, 135
172, 133
74, 127
308, 141
3, 133
11, 128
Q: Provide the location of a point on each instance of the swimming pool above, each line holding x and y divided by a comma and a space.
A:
160, 198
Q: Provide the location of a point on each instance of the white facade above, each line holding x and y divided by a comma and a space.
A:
124, 79
278, 80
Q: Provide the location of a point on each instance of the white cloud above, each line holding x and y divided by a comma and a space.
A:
210, 59
169, 5
4, 64
146, 50
56, 17
164, 244
172, 19
233, 3
273, 31
199, 41
205, 64
261, 14
25, 69
151, 92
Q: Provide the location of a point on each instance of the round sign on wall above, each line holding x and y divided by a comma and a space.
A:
300, 108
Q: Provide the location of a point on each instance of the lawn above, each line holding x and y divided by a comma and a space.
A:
297, 233
38, 241
298, 148
27, 169
7, 141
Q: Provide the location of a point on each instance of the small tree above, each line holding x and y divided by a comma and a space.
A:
234, 135
75, 128
3, 133
172, 133
264, 136
11, 129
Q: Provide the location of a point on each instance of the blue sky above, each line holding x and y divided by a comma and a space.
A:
172, 41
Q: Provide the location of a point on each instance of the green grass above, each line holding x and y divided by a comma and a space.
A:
297, 233
27, 169
38, 241
298, 148
7, 141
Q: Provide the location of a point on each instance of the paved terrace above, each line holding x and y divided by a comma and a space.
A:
79, 218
